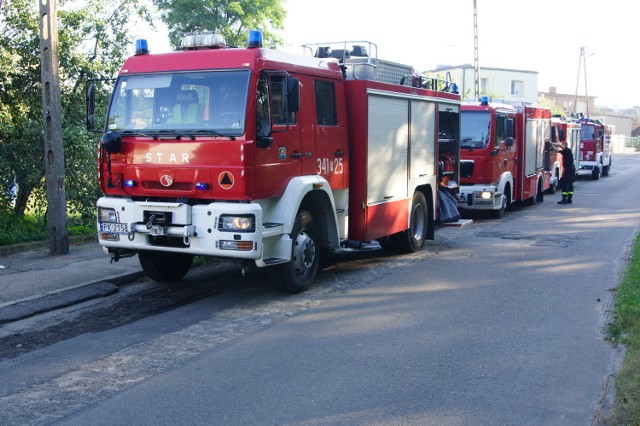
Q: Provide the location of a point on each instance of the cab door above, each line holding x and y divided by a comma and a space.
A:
323, 146
277, 164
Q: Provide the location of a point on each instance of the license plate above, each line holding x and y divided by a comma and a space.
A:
114, 228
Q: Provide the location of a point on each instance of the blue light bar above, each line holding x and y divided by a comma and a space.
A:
142, 47
255, 39
201, 186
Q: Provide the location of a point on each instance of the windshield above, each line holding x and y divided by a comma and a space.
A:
587, 132
198, 102
474, 127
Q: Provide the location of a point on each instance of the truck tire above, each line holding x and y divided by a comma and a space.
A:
498, 214
413, 239
540, 192
297, 275
595, 174
507, 194
554, 186
165, 267
605, 171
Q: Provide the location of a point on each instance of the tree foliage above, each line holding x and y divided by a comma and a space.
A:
231, 18
93, 42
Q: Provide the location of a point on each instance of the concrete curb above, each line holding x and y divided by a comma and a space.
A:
62, 299
22, 247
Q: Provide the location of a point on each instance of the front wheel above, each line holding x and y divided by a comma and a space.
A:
165, 267
297, 275
498, 214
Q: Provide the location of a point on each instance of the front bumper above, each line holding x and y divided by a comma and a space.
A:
479, 197
587, 168
182, 228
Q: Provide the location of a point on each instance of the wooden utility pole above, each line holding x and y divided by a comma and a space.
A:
476, 64
52, 115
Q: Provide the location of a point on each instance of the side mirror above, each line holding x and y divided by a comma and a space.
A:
264, 141
508, 141
508, 128
292, 94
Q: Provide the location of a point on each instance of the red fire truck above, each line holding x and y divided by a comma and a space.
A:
504, 156
268, 157
595, 149
564, 130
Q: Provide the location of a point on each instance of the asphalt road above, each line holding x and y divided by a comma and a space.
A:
497, 323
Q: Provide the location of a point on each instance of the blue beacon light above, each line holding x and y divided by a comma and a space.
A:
142, 47
255, 39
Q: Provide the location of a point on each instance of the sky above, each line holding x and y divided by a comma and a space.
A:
545, 36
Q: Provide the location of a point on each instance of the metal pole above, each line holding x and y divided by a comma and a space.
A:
586, 94
52, 116
476, 65
575, 98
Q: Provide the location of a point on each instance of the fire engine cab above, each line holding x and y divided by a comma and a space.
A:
505, 156
269, 158
595, 148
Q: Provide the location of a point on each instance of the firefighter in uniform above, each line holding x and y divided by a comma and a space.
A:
568, 172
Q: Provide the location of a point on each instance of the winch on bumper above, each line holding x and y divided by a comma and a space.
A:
479, 198
234, 230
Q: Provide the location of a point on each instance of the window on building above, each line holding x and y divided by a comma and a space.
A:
517, 88
484, 83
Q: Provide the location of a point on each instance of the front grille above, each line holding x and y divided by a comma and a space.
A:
176, 186
166, 241
466, 168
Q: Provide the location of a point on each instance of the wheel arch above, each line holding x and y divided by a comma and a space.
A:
312, 193
505, 178
321, 206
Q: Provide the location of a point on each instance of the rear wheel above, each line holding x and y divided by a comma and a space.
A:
165, 267
595, 174
540, 194
297, 275
413, 239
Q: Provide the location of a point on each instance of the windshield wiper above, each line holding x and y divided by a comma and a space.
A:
177, 134
215, 133
134, 132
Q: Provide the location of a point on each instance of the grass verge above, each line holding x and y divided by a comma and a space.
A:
626, 329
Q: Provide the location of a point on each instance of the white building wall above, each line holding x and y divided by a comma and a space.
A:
497, 81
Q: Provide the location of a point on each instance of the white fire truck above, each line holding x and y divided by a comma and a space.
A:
269, 158
595, 148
